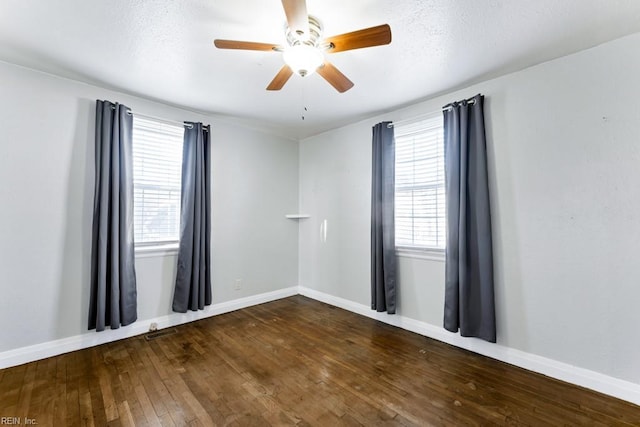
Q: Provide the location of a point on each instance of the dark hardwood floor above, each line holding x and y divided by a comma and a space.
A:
293, 361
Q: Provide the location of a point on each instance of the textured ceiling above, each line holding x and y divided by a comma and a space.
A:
163, 49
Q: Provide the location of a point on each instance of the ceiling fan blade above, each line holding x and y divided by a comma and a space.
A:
297, 16
367, 37
235, 44
281, 78
335, 78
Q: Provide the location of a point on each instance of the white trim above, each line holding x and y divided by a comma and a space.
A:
30, 353
611, 386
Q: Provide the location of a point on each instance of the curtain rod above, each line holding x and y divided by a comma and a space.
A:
425, 115
160, 119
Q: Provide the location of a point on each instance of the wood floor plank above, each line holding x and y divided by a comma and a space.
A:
60, 401
294, 362
72, 400
126, 417
106, 387
26, 390
79, 375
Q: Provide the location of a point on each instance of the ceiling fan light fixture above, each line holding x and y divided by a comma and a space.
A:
303, 59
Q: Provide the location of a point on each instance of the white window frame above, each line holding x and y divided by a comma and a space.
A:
169, 137
431, 130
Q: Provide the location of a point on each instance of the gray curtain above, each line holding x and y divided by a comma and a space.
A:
383, 250
113, 278
193, 279
469, 300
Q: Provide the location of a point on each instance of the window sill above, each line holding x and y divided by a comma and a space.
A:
428, 254
153, 251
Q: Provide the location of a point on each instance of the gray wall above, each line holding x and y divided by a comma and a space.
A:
564, 157
46, 188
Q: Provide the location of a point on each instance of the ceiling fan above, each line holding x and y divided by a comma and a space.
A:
304, 52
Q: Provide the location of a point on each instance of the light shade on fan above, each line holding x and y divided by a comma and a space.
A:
303, 59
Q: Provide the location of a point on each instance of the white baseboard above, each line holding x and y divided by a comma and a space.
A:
605, 384
572, 374
30, 353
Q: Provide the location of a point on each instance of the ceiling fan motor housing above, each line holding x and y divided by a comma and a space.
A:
304, 53
311, 39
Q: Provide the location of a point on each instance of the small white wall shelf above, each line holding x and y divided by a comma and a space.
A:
297, 216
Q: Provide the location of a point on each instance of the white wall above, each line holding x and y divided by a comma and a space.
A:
46, 188
564, 153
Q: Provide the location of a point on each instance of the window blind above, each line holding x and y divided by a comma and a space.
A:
157, 171
420, 220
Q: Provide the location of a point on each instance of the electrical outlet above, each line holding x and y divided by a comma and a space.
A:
238, 284
153, 327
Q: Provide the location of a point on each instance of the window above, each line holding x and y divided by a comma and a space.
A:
419, 193
157, 171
